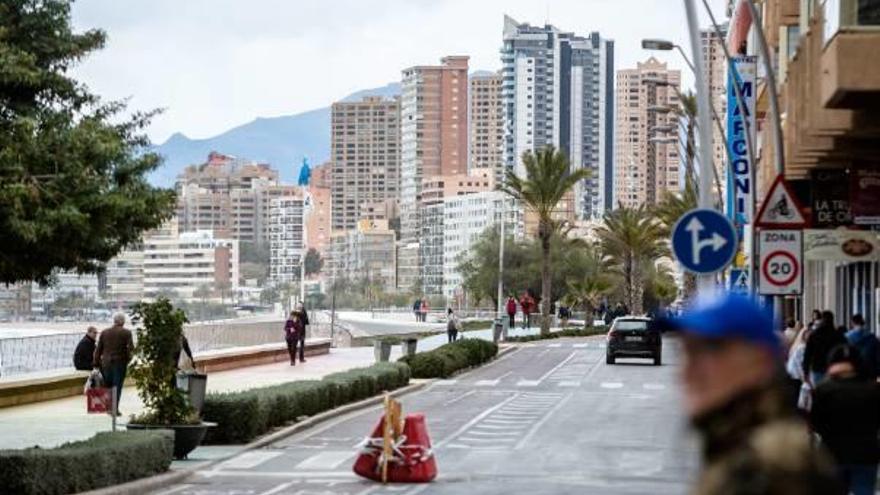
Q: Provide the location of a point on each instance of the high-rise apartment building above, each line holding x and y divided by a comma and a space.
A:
486, 126
646, 165
286, 239
558, 91
185, 263
435, 190
365, 253
715, 65
125, 278
365, 143
434, 141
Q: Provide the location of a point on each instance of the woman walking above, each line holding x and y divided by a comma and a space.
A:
293, 327
452, 325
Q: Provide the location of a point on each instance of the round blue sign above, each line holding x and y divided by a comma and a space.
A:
704, 241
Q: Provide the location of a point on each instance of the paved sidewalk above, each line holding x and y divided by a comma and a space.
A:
52, 423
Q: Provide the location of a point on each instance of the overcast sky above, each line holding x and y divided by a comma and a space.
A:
215, 64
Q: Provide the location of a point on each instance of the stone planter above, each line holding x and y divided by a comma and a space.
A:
186, 437
408, 347
382, 351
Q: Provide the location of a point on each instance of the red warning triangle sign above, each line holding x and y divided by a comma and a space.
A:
781, 209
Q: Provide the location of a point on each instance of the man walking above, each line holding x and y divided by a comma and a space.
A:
752, 441
819, 345
84, 355
867, 345
417, 310
846, 415
113, 353
304, 316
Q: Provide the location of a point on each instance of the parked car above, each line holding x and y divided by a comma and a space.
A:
634, 336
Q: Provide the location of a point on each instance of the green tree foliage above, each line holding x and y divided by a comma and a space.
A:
159, 338
314, 262
668, 211
522, 266
632, 240
547, 180
589, 289
73, 191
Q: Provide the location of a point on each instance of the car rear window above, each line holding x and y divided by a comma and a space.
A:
631, 325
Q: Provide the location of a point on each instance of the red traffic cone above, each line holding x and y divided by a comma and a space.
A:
367, 462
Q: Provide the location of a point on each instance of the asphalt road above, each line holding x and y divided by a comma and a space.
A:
550, 417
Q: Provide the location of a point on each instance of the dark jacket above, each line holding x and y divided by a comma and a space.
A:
755, 445
293, 329
846, 414
820, 343
115, 346
84, 355
304, 316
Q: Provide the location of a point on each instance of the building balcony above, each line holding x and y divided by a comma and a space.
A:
849, 79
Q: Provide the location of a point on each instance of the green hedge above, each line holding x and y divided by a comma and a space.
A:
572, 332
242, 416
446, 360
104, 460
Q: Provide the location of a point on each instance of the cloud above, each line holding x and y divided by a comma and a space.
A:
214, 64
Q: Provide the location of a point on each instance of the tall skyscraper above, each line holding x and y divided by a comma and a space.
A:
558, 90
434, 141
486, 125
645, 167
715, 64
365, 140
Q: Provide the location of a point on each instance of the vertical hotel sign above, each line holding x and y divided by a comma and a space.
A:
741, 189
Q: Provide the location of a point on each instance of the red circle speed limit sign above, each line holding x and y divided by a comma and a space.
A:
780, 265
780, 268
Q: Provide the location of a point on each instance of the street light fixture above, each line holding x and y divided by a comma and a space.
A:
665, 46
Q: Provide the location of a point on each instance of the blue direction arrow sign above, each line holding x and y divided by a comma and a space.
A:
703, 241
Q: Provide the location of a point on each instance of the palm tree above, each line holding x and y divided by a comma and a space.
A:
548, 179
587, 293
669, 210
632, 239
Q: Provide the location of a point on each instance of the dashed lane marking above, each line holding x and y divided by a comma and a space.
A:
653, 386
611, 385
528, 383
278, 489
445, 382
249, 460
326, 460
579, 346
569, 383
554, 345
486, 383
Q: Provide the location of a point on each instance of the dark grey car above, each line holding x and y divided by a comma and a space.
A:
635, 337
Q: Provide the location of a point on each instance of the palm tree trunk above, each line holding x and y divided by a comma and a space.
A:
545, 281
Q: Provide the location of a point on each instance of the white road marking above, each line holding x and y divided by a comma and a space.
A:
280, 474
279, 488
554, 345
445, 382
476, 419
486, 383
654, 386
555, 368
460, 397
528, 383
541, 422
249, 460
175, 489
611, 385
569, 383
579, 346
325, 460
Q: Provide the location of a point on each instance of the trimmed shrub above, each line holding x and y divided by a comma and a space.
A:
104, 460
242, 416
571, 332
450, 358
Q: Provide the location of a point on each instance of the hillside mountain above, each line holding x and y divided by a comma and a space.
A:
281, 141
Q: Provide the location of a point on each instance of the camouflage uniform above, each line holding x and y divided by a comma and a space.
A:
756, 445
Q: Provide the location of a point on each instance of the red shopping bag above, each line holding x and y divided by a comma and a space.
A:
99, 400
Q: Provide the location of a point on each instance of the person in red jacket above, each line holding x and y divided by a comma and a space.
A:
528, 305
511, 311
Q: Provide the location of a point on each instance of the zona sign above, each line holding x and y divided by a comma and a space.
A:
781, 262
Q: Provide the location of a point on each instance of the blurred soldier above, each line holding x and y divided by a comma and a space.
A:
752, 441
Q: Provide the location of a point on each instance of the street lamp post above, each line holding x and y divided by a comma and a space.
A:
705, 283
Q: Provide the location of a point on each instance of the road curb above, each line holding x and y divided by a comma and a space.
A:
153, 483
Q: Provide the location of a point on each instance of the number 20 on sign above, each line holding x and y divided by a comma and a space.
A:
781, 264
